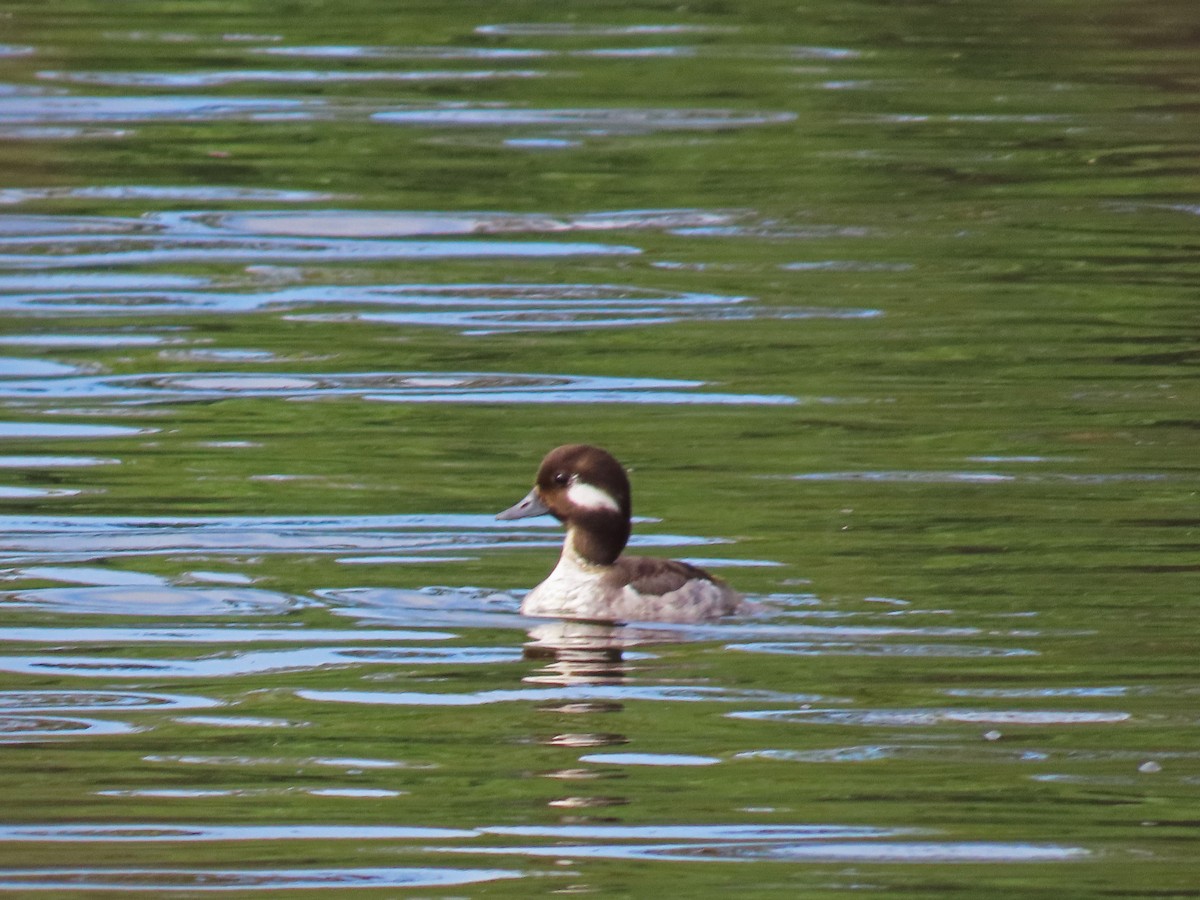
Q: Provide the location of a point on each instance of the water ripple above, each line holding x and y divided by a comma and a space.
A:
52, 110
156, 249
843, 648
864, 852
45, 539
575, 692
592, 121
16, 729
393, 387
221, 635
357, 51
913, 477
475, 308
190, 832
156, 192
32, 493
834, 843
98, 701
180, 80
649, 759
580, 29
54, 462
904, 718
127, 600
765, 843
66, 431
236, 665
258, 879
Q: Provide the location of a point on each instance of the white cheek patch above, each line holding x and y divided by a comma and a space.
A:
588, 496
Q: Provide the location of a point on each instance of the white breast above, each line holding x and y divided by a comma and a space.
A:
572, 590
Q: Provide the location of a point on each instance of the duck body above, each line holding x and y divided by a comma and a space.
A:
587, 490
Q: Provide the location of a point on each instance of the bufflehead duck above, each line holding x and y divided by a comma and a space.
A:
585, 488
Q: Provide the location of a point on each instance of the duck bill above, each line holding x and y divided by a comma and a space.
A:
530, 505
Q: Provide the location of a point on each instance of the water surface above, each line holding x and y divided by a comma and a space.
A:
891, 311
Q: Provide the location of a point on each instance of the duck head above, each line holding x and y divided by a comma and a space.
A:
587, 489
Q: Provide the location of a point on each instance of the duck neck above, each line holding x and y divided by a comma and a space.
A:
597, 542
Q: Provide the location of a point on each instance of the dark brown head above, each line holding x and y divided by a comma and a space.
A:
586, 488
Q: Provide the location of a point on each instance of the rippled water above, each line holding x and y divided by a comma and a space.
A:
891, 310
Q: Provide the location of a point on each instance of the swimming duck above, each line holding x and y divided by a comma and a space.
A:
586, 489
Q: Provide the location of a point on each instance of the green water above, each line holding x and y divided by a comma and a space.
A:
891, 310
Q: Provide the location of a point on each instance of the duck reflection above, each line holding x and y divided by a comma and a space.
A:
579, 652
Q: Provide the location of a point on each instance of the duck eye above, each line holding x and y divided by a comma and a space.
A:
561, 478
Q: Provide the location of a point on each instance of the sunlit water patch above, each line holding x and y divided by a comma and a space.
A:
352, 793
588, 30
572, 309
666, 52
82, 635
1048, 692
85, 340
698, 832
62, 430
49, 110
350, 765
132, 600
54, 462
810, 843
257, 879
241, 664
198, 193
951, 477
362, 51
966, 754
845, 265
390, 387
536, 143
473, 308
334, 223
16, 729
988, 747
349, 793
24, 367
185, 80
8, 492
134, 832
59, 133
852, 852
21, 227
14, 287
36, 242
845, 648
99, 251
89, 575
98, 701
752, 632
649, 759
906, 718
190, 793
590, 121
